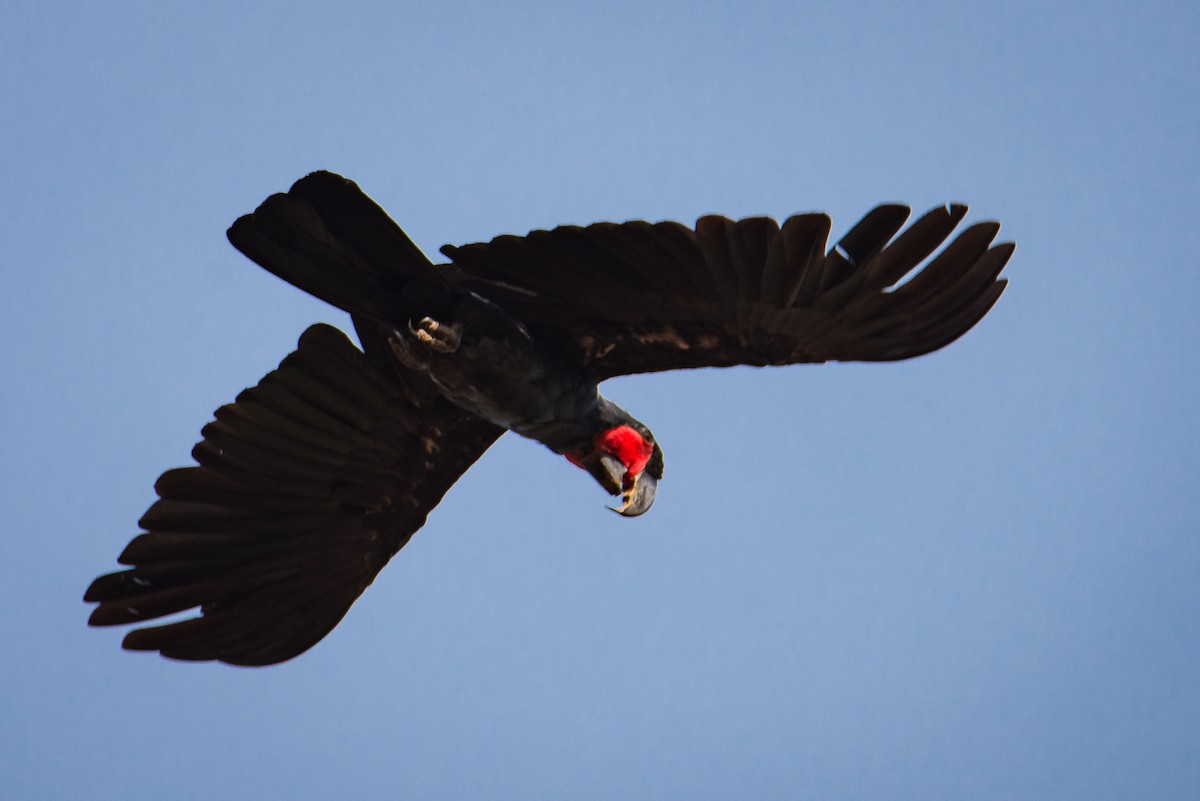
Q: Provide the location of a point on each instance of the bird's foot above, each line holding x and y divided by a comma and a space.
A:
437, 336
408, 353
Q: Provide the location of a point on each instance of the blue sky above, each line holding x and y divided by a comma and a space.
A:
972, 575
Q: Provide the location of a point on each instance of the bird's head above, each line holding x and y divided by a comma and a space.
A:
626, 461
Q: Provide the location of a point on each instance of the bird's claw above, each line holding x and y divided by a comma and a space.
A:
407, 353
437, 336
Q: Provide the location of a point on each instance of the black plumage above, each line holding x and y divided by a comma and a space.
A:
311, 481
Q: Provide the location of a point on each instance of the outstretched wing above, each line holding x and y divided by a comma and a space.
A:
306, 487
638, 297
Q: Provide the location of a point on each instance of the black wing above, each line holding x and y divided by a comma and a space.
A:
306, 487
638, 297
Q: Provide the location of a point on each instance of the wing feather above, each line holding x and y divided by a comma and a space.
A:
306, 486
804, 237
640, 297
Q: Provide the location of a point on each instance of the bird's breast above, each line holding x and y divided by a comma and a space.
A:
501, 374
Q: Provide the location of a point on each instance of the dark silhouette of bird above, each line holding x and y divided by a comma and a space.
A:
312, 480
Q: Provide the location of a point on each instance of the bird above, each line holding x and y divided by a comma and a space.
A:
311, 481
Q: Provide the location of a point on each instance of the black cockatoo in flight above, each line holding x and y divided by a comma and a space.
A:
312, 480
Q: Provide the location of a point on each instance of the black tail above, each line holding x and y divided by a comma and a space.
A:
328, 238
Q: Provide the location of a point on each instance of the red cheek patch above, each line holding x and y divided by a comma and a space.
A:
628, 445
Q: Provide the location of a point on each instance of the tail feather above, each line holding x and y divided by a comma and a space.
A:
328, 238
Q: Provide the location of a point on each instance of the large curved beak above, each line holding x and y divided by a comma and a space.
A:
639, 496
607, 469
609, 472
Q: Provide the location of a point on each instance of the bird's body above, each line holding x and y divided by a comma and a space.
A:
497, 371
309, 483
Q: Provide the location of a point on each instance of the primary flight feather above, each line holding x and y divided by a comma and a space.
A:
312, 480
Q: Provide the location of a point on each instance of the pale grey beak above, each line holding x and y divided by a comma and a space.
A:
607, 469
639, 497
